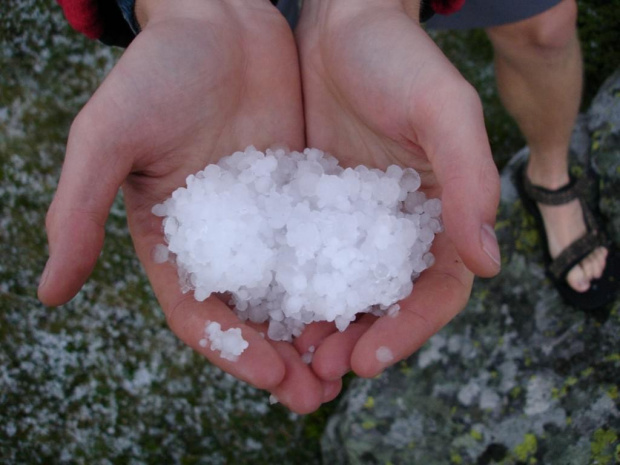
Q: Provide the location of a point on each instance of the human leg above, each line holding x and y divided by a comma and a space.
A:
539, 75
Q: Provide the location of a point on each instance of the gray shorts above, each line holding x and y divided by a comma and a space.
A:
487, 13
475, 13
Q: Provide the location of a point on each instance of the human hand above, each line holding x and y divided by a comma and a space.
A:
377, 91
202, 80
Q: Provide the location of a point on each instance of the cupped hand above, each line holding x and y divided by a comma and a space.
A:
377, 91
202, 80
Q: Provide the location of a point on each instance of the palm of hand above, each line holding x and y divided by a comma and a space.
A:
377, 92
185, 93
368, 84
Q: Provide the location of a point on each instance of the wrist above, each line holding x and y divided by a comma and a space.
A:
331, 14
144, 10
412, 8
148, 10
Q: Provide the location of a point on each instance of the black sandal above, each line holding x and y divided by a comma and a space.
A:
603, 290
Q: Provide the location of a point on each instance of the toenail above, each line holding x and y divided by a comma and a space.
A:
583, 285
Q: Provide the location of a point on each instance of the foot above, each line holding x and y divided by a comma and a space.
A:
563, 225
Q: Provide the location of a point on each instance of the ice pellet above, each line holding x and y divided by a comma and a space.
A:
384, 355
229, 343
294, 238
393, 310
160, 253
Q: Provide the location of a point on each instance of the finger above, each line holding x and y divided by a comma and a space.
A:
300, 390
456, 143
422, 314
332, 360
331, 389
259, 364
91, 175
313, 336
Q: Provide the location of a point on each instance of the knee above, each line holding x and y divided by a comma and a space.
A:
549, 32
556, 28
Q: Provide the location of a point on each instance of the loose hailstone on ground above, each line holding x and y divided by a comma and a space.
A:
295, 238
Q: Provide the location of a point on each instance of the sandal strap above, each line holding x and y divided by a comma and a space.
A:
576, 251
576, 188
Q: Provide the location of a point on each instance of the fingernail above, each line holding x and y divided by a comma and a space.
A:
489, 243
583, 286
45, 274
327, 391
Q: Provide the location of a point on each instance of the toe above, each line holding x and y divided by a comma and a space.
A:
599, 258
577, 278
590, 266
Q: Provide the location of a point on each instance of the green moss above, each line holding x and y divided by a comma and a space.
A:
481, 294
369, 424
587, 372
477, 435
612, 358
601, 448
503, 224
405, 368
527, 448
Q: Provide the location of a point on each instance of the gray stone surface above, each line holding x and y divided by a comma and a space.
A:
518, 377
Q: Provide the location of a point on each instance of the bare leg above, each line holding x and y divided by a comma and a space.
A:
539, 75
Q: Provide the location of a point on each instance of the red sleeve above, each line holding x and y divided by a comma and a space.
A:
98, 19
83, 16
445, 7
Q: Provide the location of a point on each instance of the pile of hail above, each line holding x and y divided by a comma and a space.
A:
295, 238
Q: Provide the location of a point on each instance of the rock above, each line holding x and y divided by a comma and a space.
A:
518, 376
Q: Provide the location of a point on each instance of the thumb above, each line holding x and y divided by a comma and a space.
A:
91, 175
458, 148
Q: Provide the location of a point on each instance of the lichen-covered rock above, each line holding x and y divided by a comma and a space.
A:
101, 380
518, 377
